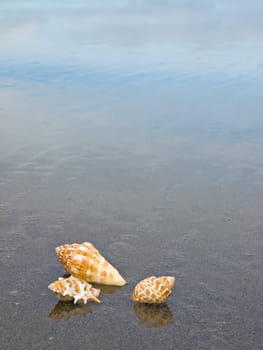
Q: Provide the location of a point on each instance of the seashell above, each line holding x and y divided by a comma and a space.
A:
153, 290
72, 288
85, 261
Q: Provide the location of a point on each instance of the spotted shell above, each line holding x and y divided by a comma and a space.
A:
85, 261
153, 290
72, 288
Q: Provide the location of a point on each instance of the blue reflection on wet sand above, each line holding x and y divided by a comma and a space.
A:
136, 125
124, 39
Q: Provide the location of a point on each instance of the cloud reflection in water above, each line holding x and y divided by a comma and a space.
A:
128, 39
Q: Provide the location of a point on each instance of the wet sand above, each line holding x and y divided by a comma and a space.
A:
151, 208
164, 176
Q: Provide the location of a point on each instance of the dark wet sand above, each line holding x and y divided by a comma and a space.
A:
163, 174
152, 205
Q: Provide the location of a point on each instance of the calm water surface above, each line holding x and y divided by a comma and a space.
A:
136, 125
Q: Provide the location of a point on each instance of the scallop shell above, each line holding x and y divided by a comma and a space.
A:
153, 290
85, 261
72, 288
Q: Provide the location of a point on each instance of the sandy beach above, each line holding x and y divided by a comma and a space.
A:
137, 128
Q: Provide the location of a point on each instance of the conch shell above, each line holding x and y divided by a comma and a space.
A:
72, 288
84, 261
153, 290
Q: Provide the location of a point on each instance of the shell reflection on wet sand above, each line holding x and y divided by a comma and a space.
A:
64, 310
152, 315
104, 289
85, 261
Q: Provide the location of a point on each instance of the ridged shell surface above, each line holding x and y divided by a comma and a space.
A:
153, 290
72, 288
85, 261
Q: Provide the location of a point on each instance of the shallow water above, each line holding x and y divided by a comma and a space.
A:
135, 125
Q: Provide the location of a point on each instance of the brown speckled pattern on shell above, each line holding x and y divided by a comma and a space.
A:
153, 290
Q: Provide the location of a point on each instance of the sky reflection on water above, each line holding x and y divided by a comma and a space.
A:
136, 125
128, 40
202, 59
